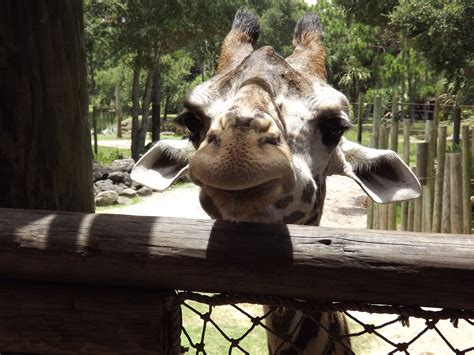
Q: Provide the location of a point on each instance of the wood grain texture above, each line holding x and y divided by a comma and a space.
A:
217, 256
44, 135
68, 319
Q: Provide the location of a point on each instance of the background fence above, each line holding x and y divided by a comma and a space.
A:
440, 153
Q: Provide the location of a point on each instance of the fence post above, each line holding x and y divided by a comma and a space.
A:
436, 124
440, 165
421, 168
375, 144
428, 194
411, 210
466, 178
359, 117
392, 208
406, 159
456, 193
377, 120
446, 211
383, 208
457, 125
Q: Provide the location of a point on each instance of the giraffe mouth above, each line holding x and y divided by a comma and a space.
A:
253, 191
244, 203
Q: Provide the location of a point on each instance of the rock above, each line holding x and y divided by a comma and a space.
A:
135, 185
116, 176
108, 185
127, 180
124, 201
105, 185
122, 165
145, 191
96, 190
123, 186
99, 172
129, 193
106, 198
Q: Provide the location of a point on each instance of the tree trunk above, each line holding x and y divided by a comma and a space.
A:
135, 105
141, 136
167, 103
118, 109
156, 106
45, 140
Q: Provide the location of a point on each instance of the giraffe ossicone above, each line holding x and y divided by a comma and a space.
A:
265, 132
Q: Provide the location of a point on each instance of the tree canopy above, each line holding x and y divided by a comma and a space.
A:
156, 51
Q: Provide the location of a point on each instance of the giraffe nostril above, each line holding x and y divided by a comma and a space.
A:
243, 121
260, 124
273, 139
213, 138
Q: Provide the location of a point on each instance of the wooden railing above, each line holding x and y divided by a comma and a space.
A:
95, 283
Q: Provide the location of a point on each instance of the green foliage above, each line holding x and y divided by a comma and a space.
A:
396, 47
278, 22
107, 155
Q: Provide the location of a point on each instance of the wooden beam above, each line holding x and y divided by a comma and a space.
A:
216, 256
52, 318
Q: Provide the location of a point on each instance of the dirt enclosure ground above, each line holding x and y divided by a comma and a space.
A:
343, 208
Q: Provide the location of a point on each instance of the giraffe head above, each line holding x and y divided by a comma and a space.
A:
265, 132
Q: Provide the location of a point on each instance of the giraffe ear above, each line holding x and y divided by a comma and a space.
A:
163, 164
380, 173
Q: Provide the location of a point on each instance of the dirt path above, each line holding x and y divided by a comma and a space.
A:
343, 205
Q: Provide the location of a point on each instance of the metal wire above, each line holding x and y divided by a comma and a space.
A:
401, 314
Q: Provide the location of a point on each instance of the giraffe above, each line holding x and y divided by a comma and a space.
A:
265, 132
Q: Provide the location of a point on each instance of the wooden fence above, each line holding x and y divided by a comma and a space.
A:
91, 283
444, 170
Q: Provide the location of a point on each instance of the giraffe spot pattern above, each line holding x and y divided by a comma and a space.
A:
284, 202
308, 192
294, 217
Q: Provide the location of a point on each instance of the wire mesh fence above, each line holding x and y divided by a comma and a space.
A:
235, 324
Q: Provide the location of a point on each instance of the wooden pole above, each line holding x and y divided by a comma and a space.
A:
375, 144
406, 159
149, 253
418, 213
436, 123
392, 208
360, 108
456, 126
446, 211
440, 165
370, 213
430, 176
421, 167
377, 121
384, 208
456, 193
466, 180
411, 216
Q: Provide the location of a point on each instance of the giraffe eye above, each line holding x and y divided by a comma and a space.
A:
190, 121
332, 128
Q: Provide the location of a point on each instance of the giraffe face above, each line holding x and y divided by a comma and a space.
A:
265, 132
250, 123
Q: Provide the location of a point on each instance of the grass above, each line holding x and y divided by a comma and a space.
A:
235, 324
106, 155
